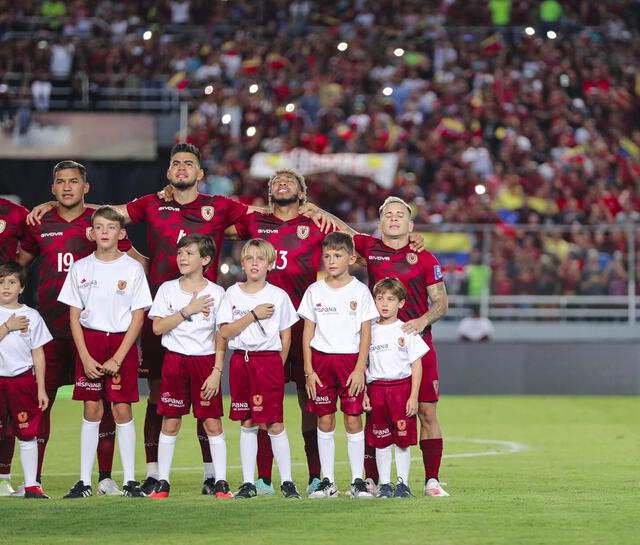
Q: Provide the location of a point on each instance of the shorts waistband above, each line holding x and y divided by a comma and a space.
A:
387, 383
333, 353
107, 333
30, 371
246, 354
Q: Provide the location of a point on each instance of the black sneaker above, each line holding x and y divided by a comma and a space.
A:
289, 490
385, 491
149, 485
209, 487
246, 491
402, 490
162, 490
221, 489
132, 490
79, 490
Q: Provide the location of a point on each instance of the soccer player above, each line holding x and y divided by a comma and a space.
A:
393, 380
23, 397
337, 314
12, 225
256, 318
62, 237
107, 294
184, 313
426, 303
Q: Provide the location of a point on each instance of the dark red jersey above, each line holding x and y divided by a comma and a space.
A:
59, 243
168, 222
415, 270
298, 244
12, 227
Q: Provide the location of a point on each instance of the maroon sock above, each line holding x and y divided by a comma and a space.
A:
6, 453
265, 455
152, 427
204, 442
311, 450
107, 440
431, 457
45, 430
370, 465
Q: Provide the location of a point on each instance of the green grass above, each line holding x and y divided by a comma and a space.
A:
576, 483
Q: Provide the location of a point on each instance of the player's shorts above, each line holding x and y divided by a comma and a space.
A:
120, 388
152, 352
333, 370
387, 423
256, 384
60, 358
182, 379
19, 406
430, 385
294, 367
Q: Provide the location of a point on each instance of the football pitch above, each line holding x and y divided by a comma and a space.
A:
520, 470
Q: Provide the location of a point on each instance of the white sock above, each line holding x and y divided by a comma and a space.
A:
218, 448
209, 470
355, 449
383, 462
127, 445
248, 452
282, 454
88, 446
403, 463
29, 459
327, 452
152, 469
166, 446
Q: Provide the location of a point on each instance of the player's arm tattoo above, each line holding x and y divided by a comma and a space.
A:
438, 302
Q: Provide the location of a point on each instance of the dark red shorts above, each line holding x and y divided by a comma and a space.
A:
60, 358
430, 385
333, 370
256, 384
19, 406
182, 379
152, 352
294, 367
120, 388
387, 424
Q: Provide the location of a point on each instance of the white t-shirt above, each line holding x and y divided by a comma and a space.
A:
237, 303
16, 347
338, 314
393, 351
191, 338
107, 291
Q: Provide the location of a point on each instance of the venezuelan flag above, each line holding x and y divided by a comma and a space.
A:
628, 148
449, 247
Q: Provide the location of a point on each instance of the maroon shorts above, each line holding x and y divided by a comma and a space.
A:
60, 357
333, 370
120, 388
182, 379
387, 424
430, 385
294, 366
152, 352
19, 406
256, 384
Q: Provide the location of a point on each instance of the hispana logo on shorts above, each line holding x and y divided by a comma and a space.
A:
412, 259
115, 382
23, 419
203, 399
302, 231
207, 212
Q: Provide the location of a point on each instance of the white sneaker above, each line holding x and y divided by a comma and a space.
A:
108, 487
6, 488
326, 489
433, 488
359, 490
372, 487
19, 493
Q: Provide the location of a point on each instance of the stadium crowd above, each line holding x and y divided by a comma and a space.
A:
505, 113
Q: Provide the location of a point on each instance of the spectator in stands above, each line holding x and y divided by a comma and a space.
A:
475, 328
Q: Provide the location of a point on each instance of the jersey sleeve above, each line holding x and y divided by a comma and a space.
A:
160, 305
288, 315
417, 347
233, 210
432, 269
137, 208
362, 243
369, 310
39, 332
242, 226
142, 294
29, 242
70, 294
225, 312
305, 310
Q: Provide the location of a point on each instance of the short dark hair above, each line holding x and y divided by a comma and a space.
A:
109, 213
205, 244
339, 241
183, 147
11, 267
392, 285
62, 165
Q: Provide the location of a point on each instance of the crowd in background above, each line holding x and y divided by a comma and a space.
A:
511, 113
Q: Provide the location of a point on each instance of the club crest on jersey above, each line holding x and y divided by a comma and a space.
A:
353, 305
206, 312
3, 225
412, 259
207, 212
401, 424
302, 231
401, 342
89, 233
122, 284
257, 400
